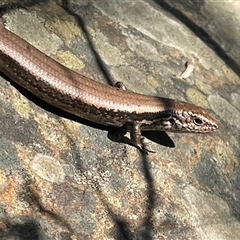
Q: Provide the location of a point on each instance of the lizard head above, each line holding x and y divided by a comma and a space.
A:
196, 120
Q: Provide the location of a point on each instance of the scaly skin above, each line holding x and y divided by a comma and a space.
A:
96, 102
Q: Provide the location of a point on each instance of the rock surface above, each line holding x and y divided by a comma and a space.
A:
62, 178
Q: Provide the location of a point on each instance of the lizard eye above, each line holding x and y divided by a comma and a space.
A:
172, 121
198, 121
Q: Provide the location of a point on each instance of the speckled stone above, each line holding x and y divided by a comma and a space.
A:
62, 178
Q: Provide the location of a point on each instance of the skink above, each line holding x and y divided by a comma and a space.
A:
96, 102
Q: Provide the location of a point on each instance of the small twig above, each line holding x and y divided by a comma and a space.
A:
188, 71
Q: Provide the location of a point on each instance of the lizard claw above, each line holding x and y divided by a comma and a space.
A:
142, 147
